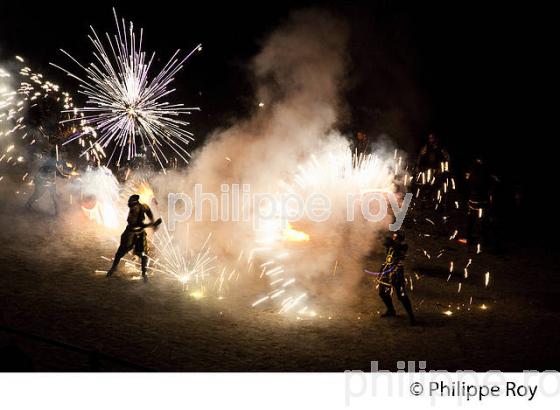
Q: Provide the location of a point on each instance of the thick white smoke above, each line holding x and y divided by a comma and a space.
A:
291, 144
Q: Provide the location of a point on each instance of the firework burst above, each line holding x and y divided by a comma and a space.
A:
126, 106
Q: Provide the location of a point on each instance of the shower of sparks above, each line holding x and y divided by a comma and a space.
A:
340, 167
270, 255
192, 268
22, 89
126, 111
435, 190
336, 171
141, 187
126, 106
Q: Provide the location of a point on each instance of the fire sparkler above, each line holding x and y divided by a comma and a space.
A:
125, 105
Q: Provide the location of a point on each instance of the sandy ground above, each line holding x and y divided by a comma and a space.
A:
49, 288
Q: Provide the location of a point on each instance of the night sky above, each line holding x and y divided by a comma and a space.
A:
465, 70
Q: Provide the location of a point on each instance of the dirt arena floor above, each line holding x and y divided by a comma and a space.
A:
59, 314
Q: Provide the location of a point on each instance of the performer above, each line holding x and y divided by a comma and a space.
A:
134, 236
45, 181
481, 185
391, 276
431, 171
431, 155
361, 143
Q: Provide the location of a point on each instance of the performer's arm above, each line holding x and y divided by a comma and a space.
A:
60, 172
149, 213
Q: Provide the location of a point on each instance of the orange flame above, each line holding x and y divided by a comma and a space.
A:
293, 235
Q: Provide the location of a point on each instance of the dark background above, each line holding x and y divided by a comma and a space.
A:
473, 72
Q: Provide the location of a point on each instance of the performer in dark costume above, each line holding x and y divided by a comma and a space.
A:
431, 155
45, 181
134, 236
482, 187
431, 173
391, 277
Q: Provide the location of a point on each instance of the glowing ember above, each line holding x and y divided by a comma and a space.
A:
197, 295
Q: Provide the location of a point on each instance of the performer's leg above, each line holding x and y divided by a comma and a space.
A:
385, 294
405, 300
144, 267
141, 249
400, 288
38, 191
52, 192
124, 247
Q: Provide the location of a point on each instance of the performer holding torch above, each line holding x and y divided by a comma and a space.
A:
134, 236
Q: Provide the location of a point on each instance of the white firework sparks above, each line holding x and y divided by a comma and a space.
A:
335, 172
22, 91
126, 106
192, 268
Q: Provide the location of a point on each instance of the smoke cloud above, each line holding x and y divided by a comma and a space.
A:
290, 143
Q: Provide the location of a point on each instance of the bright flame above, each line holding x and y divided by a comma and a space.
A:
293, 235
101, 203
146, 193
